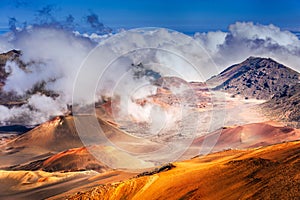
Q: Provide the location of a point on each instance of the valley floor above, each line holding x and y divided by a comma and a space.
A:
230, 174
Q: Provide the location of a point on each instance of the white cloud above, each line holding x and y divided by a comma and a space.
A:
58, 54
246, 39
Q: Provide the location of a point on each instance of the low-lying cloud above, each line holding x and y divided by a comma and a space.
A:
54, 54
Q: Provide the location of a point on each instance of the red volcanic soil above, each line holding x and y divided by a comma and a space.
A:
250, 135
76, 159
49, 138
55, 135
173, 91
60, 134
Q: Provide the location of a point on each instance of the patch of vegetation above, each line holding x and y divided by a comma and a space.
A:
163, 168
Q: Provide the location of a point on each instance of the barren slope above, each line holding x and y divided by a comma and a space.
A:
250, 135
266, 173
60, 134
77, 159
255, 78
36, 185
285, 105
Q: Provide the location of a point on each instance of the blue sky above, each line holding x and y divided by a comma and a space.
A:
187, 15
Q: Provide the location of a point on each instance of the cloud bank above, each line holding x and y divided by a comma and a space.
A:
54, 54
245, 39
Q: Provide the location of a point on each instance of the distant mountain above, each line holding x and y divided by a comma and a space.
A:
285, 105
12, 55
256, 77
17, 129
296, 33
11, 99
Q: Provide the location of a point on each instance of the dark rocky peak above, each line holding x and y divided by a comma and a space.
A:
255, 77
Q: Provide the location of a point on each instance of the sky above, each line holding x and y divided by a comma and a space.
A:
186, 15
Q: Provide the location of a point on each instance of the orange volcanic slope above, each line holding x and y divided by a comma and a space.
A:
51, 137
263, 173
250, 135
76, 159
60, 134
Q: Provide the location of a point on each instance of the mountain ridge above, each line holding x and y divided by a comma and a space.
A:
285, 105
255, 77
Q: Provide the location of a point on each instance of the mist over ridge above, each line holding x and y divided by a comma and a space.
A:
53, 51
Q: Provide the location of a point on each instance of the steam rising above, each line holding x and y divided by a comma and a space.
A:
53, 55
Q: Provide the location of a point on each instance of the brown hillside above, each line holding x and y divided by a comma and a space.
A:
285, 105
256, 77
265, 173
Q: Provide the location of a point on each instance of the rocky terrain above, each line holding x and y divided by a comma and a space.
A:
52, 161
256, 77
12, 55
10, 98
264, 78
285, 105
